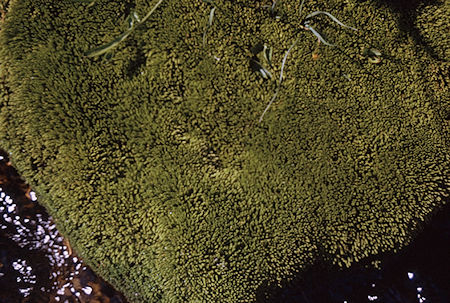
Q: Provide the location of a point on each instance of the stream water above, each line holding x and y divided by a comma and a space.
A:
38, 265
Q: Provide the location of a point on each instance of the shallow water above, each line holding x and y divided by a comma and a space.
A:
38, 265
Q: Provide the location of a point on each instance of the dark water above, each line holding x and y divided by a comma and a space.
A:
38, 265
419, 273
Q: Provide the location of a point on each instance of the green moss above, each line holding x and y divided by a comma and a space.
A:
156, 169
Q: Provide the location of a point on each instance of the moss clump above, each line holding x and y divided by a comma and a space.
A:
155, 167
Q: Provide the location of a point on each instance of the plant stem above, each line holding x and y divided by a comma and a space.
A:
279, 81
151, 12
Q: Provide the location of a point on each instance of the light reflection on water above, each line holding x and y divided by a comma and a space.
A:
39, 233
36, 263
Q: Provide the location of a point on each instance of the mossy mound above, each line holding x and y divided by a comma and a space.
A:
156, 169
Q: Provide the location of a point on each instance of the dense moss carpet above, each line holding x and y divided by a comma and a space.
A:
156, 168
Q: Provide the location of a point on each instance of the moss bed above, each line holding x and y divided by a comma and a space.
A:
154, 164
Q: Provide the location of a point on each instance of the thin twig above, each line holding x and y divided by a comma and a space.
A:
151, 12
112, 44
279, 81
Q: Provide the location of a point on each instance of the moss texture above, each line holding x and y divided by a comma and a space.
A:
156, 169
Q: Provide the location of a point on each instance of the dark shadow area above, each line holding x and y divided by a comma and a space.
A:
137, 61
420, 270
406, 10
